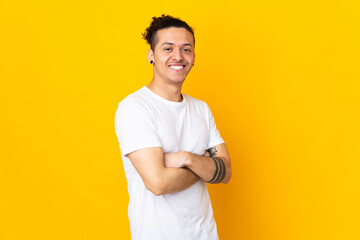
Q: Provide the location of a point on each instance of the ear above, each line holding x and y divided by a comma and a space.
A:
150, 55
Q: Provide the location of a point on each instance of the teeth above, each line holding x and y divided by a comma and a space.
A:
177, 67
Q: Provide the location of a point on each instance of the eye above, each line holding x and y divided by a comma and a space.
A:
186, 50
167, 49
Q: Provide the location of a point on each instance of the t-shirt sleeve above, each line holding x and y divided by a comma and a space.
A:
214, 135
135, 126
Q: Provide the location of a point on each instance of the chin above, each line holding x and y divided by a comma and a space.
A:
177, 80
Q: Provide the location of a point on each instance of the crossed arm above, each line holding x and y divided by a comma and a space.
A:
174, 172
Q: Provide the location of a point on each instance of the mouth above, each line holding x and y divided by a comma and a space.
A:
177, 67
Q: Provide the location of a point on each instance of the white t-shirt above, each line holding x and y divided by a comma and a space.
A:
144, 119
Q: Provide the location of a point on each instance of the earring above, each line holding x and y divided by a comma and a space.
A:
151, 62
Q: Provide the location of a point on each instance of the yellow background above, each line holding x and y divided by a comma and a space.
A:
281, 78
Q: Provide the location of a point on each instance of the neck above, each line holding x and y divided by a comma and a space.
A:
169, 92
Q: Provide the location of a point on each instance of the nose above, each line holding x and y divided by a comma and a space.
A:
178, 56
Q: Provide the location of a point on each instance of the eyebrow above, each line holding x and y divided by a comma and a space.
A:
169, 43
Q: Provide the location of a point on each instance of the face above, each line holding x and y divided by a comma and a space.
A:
173, 55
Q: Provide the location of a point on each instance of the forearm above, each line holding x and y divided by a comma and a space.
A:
213, 167
158, 178
177, 179
210, 169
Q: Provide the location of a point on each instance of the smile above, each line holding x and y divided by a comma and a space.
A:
177, 67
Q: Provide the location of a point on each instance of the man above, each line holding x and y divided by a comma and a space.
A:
169, 144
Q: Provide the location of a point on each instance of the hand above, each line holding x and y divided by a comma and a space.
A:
177, 159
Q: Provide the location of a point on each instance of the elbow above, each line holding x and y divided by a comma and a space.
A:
157, 192
228, 176
156, 187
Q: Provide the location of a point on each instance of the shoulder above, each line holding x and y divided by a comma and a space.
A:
133, 102
197, 102
135, 108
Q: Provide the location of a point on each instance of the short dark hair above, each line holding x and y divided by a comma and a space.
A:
165, 21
